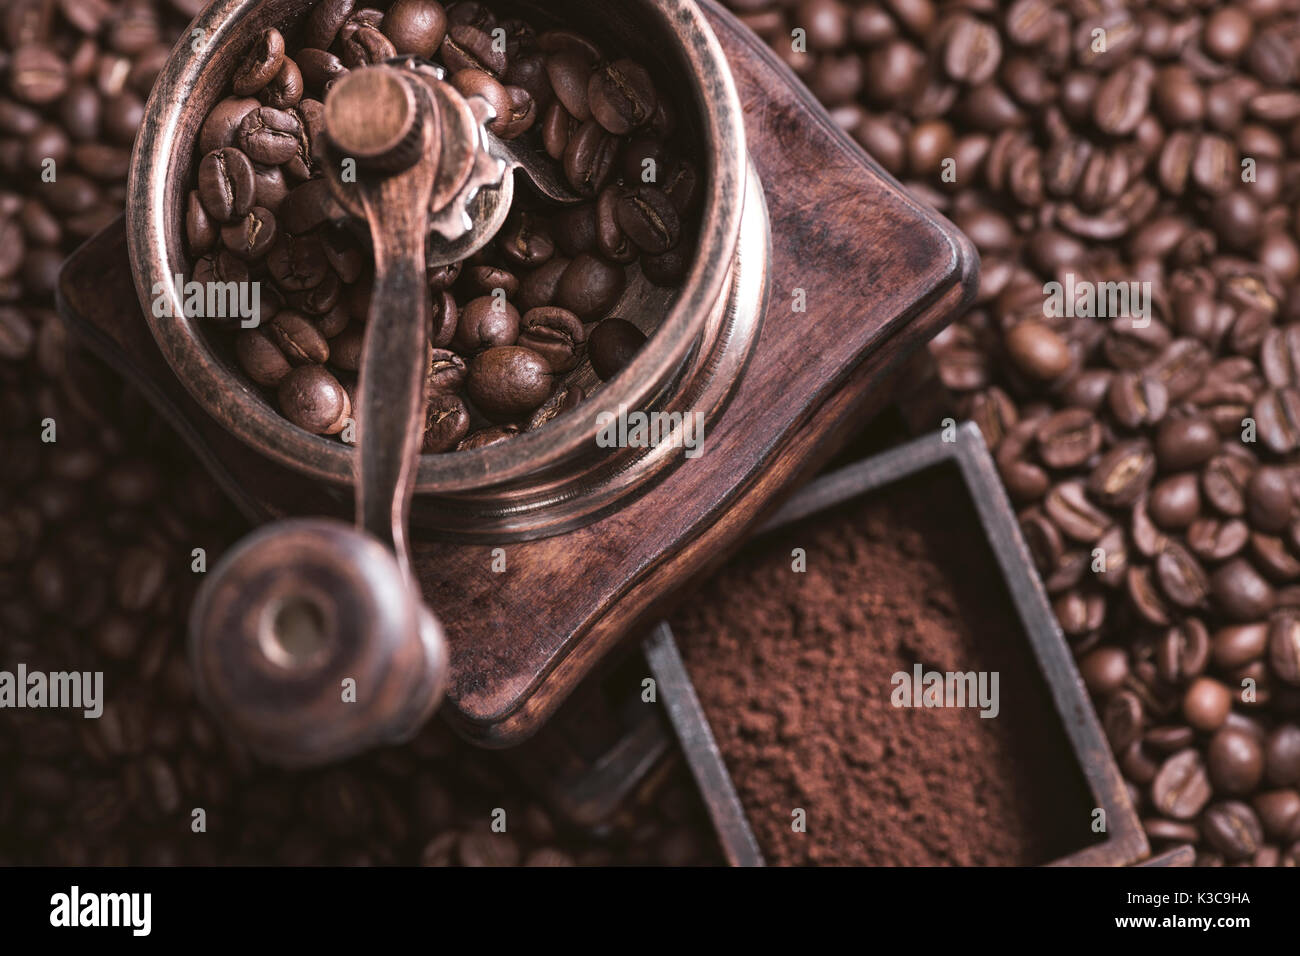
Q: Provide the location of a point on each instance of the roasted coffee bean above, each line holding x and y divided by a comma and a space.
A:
260, 358
1268, 499
575, 228
1214, 539
16, 334
486, 323
286, 89
1122, 718
1279, 355
970, 50
269, 187
1181, 788
1232, 828
1183, 651
621, 96
1137, 765
1181, 577
1279, 813
223, 122
1038, 351
540, 287
444, 317
1170, 831
1273, 558
261, 63
1123, 97
269, 136
1114, 557
1206, 704
1068, 506
416, 27
508, 382
611, 241
486, 280
1170, 739
526, 241
1185, 443
556, 334
571, 78
590, 288
1104, 670
1123, 475
1236, 761
140, 578
557, 129
252, 235
446, 423
1145, 597
612, 345
1043, 539
313, 399
37, 75
1214, 163
1175, 502
1282, 756
365, 46
486, 437
1223, 483
317, 301
468, 48
1238, 645
649, 218
226, 184
318, 68
220, 266
325, 20
297, 338
308, 206
200, 232
297, 263
1284, 647
684, 186
447, 371
589, 158
1068, 438
1241, 592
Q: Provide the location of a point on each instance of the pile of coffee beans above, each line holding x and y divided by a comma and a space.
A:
516, 327
74, 76
1151, 451
98, 531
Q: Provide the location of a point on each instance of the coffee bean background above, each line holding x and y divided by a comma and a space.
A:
1106, 140
97, 532
1116, 164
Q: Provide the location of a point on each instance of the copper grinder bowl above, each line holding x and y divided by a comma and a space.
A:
540, 482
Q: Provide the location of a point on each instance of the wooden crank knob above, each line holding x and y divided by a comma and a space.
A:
311, 645
375, 117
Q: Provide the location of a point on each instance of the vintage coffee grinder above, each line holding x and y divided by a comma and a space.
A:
382, 580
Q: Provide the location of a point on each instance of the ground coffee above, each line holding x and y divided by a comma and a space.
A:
794, 673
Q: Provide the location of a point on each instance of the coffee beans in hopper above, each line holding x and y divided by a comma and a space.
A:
520, 314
